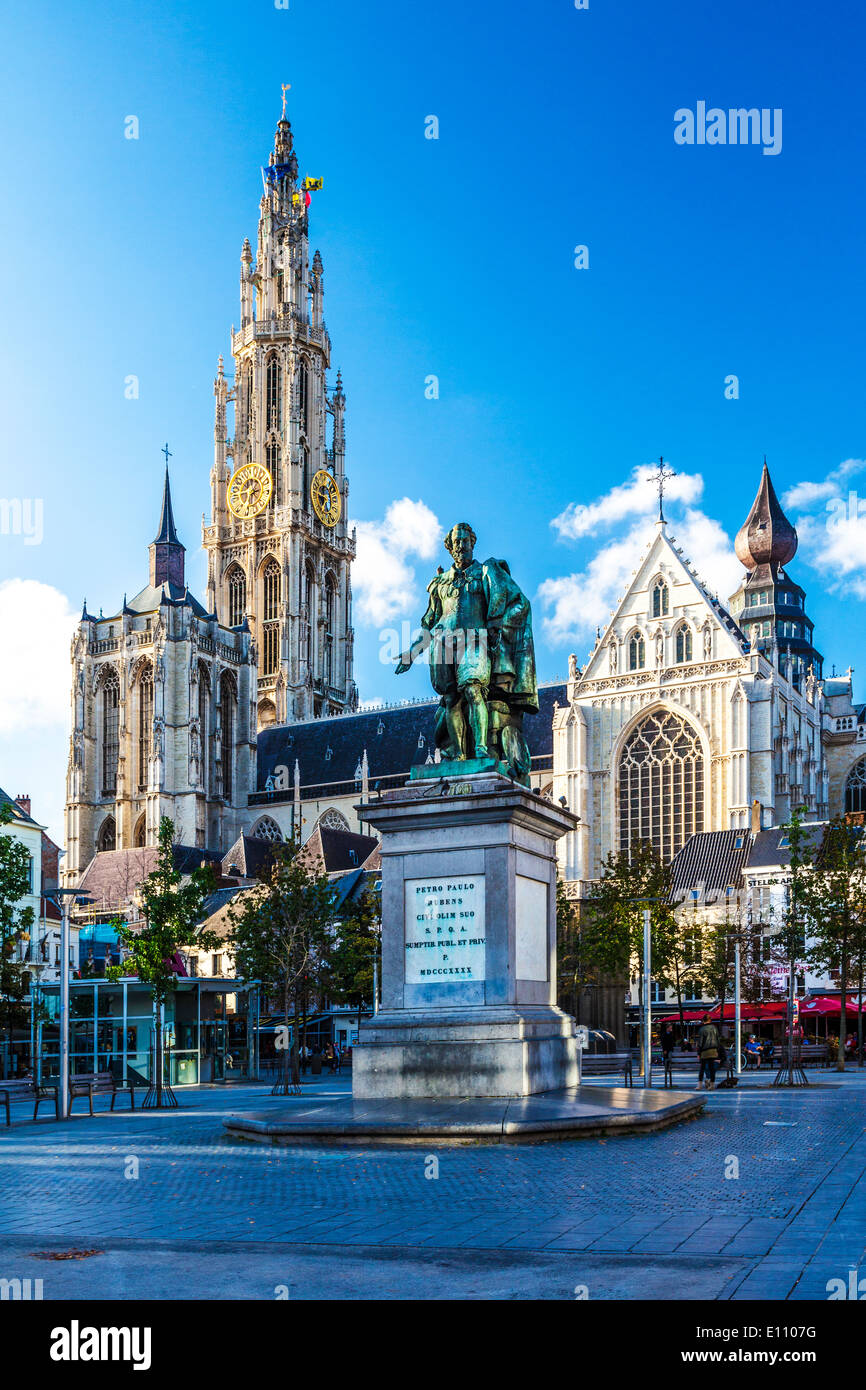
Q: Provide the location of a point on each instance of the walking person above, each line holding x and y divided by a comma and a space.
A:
709, 1046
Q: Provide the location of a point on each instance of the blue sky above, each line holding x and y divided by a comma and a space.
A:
452, 257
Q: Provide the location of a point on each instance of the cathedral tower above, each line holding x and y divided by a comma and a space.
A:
163, 718
769, 606
278, 544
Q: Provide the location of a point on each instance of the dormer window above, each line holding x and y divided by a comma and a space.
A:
636, 652
660, 599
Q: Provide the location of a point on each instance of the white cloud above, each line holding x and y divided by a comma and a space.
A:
383, 575
37, 625
637, 497
831, 527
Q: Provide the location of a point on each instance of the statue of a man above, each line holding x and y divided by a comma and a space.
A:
478, 625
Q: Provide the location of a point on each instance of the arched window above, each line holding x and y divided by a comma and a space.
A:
107, 837
274, 395
110, 731
204, 722
305, 475
246, 411
227, 726
267, 829
855, 788
237, 586
304, 397
684, 644
145, 723
330, 620
309, 606
272, 463
661, 784
636, 652
272, 590
660, 598
139, 838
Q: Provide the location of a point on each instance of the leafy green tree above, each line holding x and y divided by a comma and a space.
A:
612, 924
172, 906
833, 900
283, 936
788, 944
15, 924
355, 950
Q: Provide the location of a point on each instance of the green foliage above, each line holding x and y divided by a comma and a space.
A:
172, 910
15, 921
611, 929
350, 965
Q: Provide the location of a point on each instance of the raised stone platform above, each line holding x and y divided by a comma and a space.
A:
572, 1113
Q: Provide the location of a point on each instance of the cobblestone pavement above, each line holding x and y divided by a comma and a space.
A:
760, 1198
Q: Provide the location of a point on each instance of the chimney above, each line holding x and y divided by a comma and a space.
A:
757, 816
24, 803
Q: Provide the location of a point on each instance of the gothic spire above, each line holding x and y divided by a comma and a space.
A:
166, 551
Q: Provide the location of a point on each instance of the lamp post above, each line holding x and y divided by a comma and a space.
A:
65, 894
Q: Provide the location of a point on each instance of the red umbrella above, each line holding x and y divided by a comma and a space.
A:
825, 1005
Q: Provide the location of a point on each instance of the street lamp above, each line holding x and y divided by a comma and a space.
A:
65, 894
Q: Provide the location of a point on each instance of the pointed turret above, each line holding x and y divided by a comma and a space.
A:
766, 539
166, 551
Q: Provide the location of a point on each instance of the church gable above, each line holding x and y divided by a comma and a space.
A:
666, 618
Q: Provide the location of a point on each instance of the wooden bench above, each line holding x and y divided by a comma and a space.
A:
26, 1089
96, 1083
690, 1061
606, 1064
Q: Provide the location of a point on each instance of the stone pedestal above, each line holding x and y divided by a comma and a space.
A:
468, 944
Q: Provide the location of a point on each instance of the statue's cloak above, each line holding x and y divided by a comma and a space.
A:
513, 675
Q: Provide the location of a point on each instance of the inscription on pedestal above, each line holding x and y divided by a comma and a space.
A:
445, 929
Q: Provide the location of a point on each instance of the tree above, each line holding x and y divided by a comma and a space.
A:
789, 943
172, 906
357, 946
281, 937
612, 927
15, 924
833, 898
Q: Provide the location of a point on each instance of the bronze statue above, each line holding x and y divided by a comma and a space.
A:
478, 626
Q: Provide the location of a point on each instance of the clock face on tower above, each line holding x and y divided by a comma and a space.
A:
325, 497
249, 490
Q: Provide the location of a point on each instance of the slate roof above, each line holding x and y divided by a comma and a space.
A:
112, 876
714, 858
768, 852
396, 738
338, 851
248, 857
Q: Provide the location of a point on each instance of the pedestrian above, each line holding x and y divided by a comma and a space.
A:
667, 1039
709, 1045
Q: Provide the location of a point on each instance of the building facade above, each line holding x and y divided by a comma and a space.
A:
163, 718
687, 711
278, 544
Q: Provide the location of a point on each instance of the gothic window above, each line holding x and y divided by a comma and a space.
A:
660, 598
636, 652
684, 644
204, 720
304, 397
272, 585
273, 395
145, 723
661, 784
110, 731
330, 618
227, 725
237, 586
139, 839
305, 475
855, 788
107, 837
309, 605
267, 829
246, 399
272, 463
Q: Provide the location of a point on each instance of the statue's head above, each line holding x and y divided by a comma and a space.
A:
460, 543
